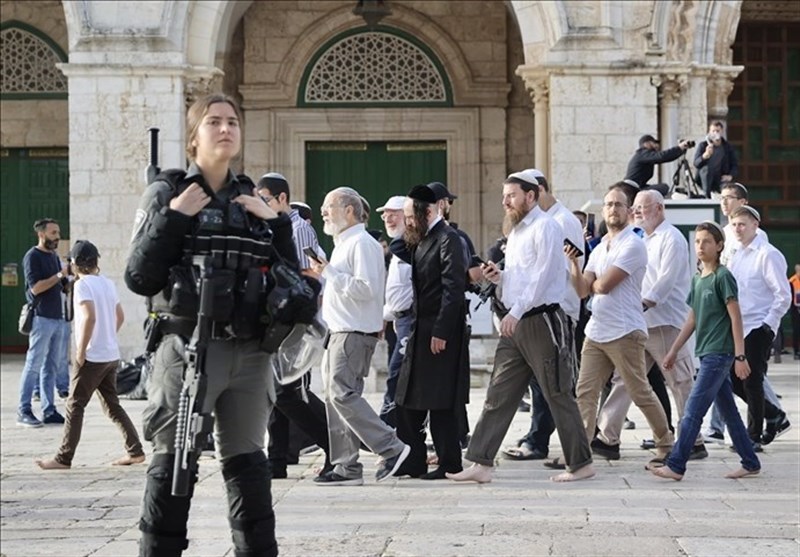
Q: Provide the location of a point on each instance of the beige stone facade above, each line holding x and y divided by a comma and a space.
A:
564, 86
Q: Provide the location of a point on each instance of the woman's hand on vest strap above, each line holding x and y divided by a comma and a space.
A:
191, 201
256, 206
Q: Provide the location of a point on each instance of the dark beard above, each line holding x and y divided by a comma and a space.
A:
51, 245
412, 236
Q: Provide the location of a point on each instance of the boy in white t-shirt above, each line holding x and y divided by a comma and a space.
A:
98, 317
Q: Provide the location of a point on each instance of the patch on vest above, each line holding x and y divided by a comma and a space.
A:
138, 223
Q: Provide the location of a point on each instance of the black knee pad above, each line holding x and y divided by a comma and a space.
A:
252, 520
164, 517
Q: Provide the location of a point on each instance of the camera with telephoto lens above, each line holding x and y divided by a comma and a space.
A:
689, 143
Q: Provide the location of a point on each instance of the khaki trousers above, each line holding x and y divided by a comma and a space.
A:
626, 355
679, 380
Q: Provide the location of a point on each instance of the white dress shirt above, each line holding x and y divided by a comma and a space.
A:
764, 292
572, 229
619, 312
534, 264
732, 244
354, 283
667, 278
399, 290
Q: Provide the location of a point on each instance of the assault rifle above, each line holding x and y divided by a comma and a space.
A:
194, 425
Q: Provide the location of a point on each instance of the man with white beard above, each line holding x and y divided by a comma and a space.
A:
352, 306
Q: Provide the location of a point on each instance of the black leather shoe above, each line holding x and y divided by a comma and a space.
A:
332, 478
698, 452
610, 452
438, 474
54, 418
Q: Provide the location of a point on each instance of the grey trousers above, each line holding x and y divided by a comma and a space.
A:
531, 351
238, 391
351, 419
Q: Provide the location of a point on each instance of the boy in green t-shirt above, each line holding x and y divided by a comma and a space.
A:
715, 318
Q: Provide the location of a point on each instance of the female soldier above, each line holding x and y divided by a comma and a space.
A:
209, 211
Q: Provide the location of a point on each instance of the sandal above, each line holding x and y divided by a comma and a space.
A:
523, 452
555, 464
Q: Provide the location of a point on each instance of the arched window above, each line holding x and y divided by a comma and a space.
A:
29, 64
375, 67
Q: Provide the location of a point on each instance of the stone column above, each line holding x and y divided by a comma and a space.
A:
669, 90
538, 85
719, 88
111, 106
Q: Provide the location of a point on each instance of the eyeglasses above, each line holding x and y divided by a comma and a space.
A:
329, 206
614, 205
267, 198
728, 198
642, 207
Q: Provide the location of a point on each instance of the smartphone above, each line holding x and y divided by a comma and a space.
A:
590, 224
570, 244
311, 254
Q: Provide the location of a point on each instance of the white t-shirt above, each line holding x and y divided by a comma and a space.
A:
102, 293
619, 312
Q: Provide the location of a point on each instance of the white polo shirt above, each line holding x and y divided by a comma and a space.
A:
764, 292
619, 312
667, 278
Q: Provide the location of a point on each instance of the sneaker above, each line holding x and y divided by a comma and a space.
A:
27, 419
648, 444
63, 395
774, 431
756, 448
714, 437
698, 452
610, 452
54, 418
629, 424
332, 478
392, 464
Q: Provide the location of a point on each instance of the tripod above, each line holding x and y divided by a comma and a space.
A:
685, 181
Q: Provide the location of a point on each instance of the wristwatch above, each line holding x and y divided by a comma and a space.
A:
740, 358
60, 275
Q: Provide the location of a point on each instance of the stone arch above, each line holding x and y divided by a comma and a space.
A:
466, 88
30, 71
542, 24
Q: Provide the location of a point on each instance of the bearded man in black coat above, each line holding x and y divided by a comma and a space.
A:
434, 377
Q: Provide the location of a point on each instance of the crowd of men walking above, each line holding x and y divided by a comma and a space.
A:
580, 319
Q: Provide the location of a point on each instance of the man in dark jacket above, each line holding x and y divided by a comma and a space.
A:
642, 164
434, 378
715, 159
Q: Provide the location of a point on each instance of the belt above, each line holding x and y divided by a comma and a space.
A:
404, 313
544, 308
376, 334
177, 326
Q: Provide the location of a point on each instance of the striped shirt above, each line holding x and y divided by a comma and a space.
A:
304, 236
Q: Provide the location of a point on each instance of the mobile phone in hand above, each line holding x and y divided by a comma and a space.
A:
573, 246
311, 254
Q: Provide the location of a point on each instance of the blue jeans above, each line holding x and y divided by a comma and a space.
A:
402, 327
58, 360
712, 384
42, 362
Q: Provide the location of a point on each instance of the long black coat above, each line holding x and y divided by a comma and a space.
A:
439, 274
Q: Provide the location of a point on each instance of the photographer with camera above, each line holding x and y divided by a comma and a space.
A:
715, 159
642, 164
211, 255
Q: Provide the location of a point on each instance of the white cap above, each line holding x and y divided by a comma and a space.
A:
394, 203
529, 175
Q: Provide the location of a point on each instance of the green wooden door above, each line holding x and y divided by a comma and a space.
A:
377, 170
35, 185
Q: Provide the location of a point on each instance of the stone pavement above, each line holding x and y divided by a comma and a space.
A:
92, 509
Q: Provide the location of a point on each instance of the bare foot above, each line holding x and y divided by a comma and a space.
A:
583, 473
666, 473
127, 460
741, 473
51, 464
475, 473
